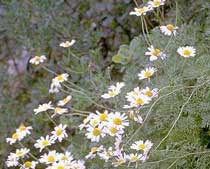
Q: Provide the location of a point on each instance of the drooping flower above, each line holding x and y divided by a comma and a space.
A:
187, 51
59, 111
113, 90
44, 107
156, 3
64, 101
67, 44
140, 11
134, 157
37, 59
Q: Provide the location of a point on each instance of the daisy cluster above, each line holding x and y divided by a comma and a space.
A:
98, 126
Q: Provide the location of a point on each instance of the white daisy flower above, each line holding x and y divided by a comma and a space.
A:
37, 59
141, 145
79, 164
55, 87
86, 121
113, 130
106, 154
118, 120
12, 160
17, 136
60, 78
169, 29
150, 93
155, 53
187, 51
67, 43
59, 132
64, 101
43, 107
59, 165
113, 90
23, 130
65, 156
49, 158
95, 133
44, 142
93, 152
156, 3
59, 111
119, 160
136, 98
21, 152
134, 157
29, 165
140, 11
147, 73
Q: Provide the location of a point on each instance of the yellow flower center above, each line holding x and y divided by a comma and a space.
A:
22, 128
64, 158
139, 101
45, 142
51, 158
156, 52
134, 158
156, 2
103, 116
60, 167
58, 109
28, 164
113, 130
148, 74
117, 121
15, 135
148, 93
141, 10
186, 52
94, 149
19, 152
96, 131
58, 132
59, 78
142, 146
37, 58
170, 27
120, 161
112, 94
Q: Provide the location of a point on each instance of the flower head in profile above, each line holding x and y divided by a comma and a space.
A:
67, 44
156, 3
113, 90
169, 30
59, 111
140, 11
44, 142
64, 101
141, 145
187, 51
93, 152
134, 157
24, 130
147, 73
21, 152
29, 165
17, 136
44, 107
150, 92
36, 60
59, 132
155, 53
